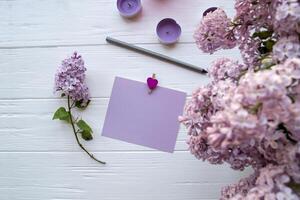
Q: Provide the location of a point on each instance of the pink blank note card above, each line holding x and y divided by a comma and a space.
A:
137, 117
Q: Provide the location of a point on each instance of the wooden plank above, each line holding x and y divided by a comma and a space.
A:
29, 73
69, 22
27, 125
133, 175
39, 158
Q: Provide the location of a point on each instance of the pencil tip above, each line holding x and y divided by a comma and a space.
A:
108, 39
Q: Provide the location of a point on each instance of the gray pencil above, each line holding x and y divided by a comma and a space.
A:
155, 55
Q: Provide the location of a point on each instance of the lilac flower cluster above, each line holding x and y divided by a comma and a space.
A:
214, 32
287, 16
269, 183
70, 82
70, 77
249, 115
276, 17
286, 47
225, 68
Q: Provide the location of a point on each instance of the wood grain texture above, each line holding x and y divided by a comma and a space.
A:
39, 158
77, 22
27, 126
128, 175
35, 68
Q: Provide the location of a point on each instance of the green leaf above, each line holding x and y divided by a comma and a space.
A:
86, 131
62, 114
254, 109
78, 104
84, 126
263, 34
86, 135
267, 63
269, 44
263, 50
294, 186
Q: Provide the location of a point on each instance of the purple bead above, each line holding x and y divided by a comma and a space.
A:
168, 31
129, 8
211, 9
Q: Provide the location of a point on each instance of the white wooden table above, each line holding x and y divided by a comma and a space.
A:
39, 158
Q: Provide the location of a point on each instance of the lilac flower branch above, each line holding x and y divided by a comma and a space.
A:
69, 81
78, 131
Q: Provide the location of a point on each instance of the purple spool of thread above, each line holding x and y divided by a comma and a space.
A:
129, 8
168, 31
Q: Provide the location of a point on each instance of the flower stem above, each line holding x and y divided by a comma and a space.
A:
76, 136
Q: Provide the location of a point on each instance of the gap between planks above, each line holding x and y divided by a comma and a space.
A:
58, 98
78, 45
98, 151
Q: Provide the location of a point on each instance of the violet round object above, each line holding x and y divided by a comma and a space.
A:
129, 8
168, 31
211, 9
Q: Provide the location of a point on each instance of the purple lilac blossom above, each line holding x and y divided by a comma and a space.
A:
214, 32
225, 68
251, 16
249, 115
238, 189
287, 17
270, 184
70, 77
287, 47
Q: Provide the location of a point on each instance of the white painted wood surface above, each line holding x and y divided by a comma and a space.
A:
39, 158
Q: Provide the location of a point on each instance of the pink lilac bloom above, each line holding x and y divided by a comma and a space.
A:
239, 189
287, 47
236, 117
205, 102
200, 149
271, 184
249, 115
287, 17
215, 32
238, 122
238, 157
258, 104
294, 124
292, 162
288, 8
251, 13
251, 16
232, 132
70, 77
225, 68
249, 48
292, 68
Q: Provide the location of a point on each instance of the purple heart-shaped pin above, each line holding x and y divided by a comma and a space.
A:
152, 82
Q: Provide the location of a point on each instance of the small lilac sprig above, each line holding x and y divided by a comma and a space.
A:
69, 82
